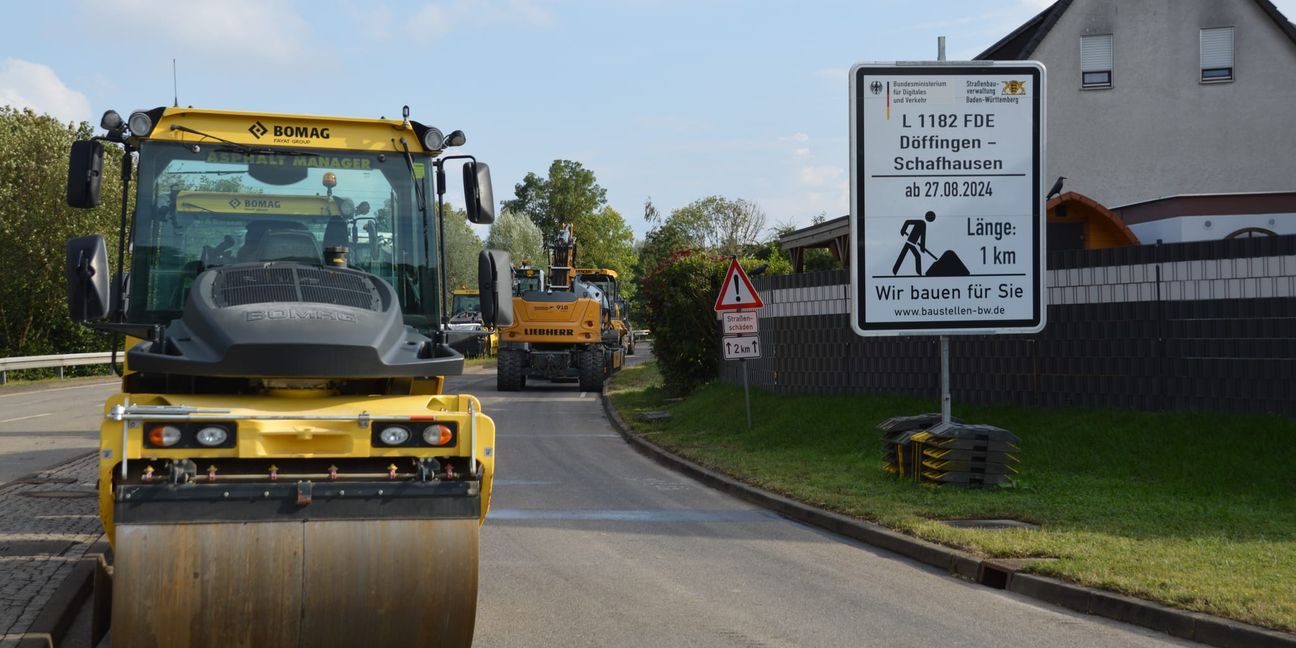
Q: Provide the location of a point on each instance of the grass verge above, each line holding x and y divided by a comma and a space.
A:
1194, 510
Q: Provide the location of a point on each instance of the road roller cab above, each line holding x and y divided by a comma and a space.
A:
281, 431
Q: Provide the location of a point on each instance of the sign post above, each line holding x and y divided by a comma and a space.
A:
947, 200
741, 327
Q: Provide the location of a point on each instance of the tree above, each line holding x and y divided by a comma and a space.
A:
714, 224
605, 241
35, 224
569, 194
516, 234
461, 248
722, 225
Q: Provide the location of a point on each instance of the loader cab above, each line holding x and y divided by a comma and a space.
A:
527, 279
607, 281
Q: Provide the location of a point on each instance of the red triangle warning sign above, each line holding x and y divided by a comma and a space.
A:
737, 293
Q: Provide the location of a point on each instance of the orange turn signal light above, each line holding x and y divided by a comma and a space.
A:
438, 434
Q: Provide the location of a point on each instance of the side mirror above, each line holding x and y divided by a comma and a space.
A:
478, 195
85, 172
495, 283
87, 274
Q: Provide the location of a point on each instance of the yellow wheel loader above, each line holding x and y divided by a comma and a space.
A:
280, 466
562, 330
607, 280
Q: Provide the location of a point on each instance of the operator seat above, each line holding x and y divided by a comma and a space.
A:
258, 231
289, 245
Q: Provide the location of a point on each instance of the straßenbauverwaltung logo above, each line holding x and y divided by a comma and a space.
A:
257, 129
1014, 87
876, 87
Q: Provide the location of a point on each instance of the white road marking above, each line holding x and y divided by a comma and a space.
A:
542, 435
35, 392
24, 418
582, 395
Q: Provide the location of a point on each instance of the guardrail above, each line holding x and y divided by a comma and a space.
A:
47, 361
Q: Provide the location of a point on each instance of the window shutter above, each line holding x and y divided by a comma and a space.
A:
1096, 53
1217, 48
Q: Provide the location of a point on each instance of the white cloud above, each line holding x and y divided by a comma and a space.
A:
801, 153
823, 175
1037, 5
795, 137
24, 84
436, 19
266, 31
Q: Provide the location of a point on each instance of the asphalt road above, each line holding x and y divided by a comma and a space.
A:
590, 544
45, 424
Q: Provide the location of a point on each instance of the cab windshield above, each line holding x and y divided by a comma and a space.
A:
208, 206
464, 304
527, 281
604, 282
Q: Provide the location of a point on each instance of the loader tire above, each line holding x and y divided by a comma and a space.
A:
509, 373
590, 363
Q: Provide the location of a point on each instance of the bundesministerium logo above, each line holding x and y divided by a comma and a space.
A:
1014, 87
257, 129
876, 87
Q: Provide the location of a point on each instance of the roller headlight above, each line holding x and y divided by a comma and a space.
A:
111, 121
437, 434
140, 124
433, 140
212, 435
394, 435
163, 436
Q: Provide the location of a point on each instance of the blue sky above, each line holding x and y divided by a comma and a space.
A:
671, 99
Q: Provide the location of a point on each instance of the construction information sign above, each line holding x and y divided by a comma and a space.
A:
947, 203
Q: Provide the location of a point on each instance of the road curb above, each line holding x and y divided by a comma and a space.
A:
1194, 626
60, 611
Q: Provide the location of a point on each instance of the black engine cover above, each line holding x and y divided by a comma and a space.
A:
292, 320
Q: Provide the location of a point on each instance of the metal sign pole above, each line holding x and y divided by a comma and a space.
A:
746, 393
945, 379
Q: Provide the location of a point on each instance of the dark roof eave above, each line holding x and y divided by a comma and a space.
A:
1033, 31
1283, 23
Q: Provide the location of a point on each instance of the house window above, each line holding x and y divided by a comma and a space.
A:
1217, 54
1096, 61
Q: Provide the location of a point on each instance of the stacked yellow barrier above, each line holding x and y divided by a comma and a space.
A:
923, 449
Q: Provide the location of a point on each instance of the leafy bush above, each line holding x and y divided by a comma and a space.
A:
35, 224
679, 300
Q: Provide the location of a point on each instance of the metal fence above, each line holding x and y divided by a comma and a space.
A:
51, 361
1208, 325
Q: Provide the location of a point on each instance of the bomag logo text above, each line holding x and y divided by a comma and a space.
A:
317, 314
258, 203
543, 331
300, 132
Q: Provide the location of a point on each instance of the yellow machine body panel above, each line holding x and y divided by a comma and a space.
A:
286, 438
297, 131
253, 204
543, 322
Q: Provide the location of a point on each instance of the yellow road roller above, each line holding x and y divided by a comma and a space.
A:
281, 467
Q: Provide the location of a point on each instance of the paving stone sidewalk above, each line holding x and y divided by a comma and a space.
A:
48, 522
